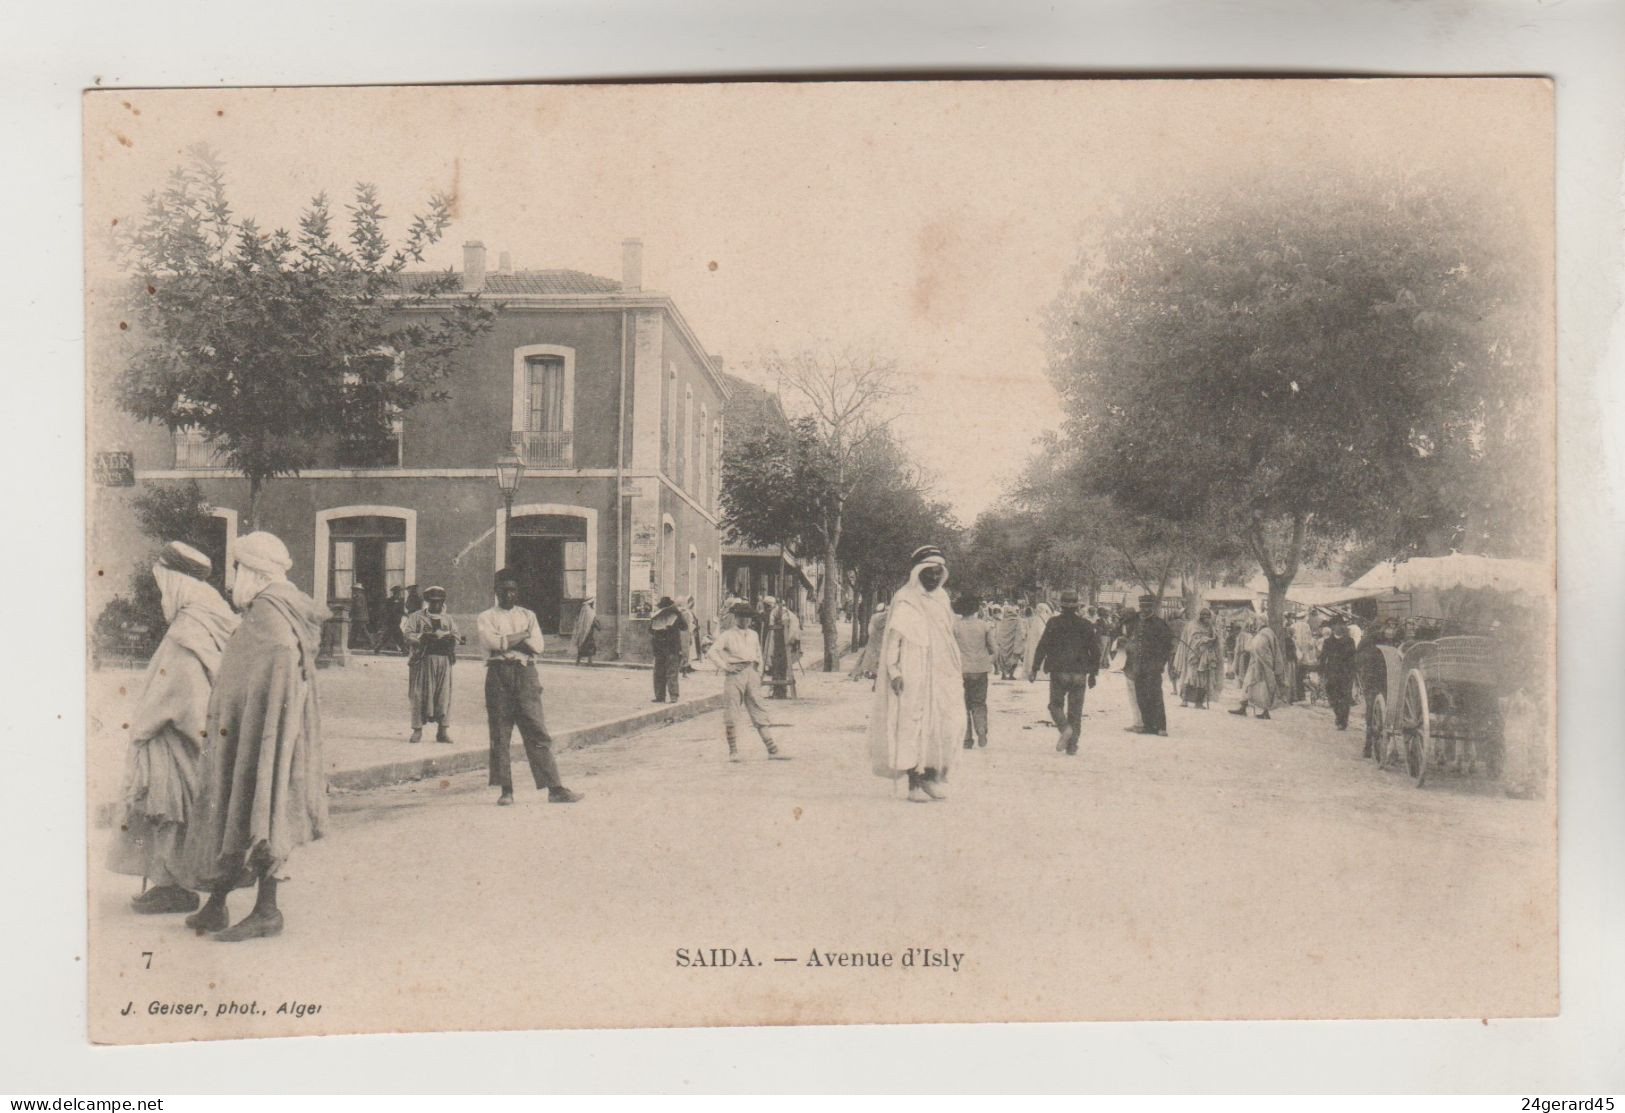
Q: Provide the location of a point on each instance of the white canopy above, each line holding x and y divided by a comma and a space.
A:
1458, 570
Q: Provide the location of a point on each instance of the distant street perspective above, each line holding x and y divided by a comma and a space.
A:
1302, 862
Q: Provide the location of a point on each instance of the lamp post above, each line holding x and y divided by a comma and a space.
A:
510, 470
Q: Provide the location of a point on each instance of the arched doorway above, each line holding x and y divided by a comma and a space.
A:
548, 555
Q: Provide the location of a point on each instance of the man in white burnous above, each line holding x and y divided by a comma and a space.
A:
919, 710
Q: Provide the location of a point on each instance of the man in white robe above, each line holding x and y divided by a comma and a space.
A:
919, 707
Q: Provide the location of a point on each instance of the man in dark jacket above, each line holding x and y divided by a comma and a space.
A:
667, 629
1149, 646
1337, 671
1070, 649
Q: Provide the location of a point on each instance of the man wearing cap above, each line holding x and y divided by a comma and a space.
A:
667, 630
511, 639
737, 652
920, 694
1070, 652
262, 781
1150, 646
432, 640
166, 730
1337, 671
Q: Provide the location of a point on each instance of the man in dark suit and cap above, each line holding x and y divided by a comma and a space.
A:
1150, 646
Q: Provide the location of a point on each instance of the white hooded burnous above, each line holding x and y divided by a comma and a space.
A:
919, 710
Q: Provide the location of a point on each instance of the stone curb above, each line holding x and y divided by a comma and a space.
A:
422, 769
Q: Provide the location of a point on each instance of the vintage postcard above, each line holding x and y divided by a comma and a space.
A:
818, 553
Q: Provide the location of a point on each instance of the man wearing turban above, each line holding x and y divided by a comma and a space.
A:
262, 785
920, 693
166, 730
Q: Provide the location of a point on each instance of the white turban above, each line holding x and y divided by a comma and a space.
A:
263, 553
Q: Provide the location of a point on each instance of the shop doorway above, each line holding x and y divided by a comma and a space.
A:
547, 554
368, 552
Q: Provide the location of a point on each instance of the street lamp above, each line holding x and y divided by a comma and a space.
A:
510, 470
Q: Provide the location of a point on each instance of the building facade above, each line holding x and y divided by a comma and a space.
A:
605, 393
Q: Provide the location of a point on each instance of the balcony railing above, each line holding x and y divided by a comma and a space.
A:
544, 450
192, 451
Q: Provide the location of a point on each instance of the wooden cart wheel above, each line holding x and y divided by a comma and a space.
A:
1379, 730
1414, 728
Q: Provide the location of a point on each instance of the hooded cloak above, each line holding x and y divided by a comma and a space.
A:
262, 781
166, 730
1009, 642
919, 727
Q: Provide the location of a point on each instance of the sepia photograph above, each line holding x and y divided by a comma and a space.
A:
748, 553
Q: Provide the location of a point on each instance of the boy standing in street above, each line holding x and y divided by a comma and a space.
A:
975, 637
737, 652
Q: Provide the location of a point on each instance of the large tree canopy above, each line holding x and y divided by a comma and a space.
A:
1292, 366
280, 347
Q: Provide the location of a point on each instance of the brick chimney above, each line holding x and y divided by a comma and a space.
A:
504, 263
632, 264
473, 266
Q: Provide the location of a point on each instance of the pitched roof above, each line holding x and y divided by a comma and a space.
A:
532, 282
750, 407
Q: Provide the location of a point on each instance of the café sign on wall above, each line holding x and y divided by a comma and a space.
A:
114, 469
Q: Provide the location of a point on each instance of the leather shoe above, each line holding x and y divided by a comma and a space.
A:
505, 799
165, 898
562, 796
209, 919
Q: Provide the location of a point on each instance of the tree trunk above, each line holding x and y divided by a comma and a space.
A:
829, 608
1276, 608
1191, 589
256, 487
1280, 581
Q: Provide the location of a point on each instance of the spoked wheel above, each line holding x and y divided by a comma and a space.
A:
1413, 726
1378, 729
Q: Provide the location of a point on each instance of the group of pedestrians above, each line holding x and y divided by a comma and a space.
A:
375, 624
224, 774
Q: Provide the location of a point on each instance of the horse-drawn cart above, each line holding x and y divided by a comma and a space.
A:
1441, 708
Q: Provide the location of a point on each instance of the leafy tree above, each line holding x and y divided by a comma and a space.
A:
282, 347
841, 396
134, 622
1288, 368
887, 517
773, 486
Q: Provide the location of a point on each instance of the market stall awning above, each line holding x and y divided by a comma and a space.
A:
1458, 570
1322, 595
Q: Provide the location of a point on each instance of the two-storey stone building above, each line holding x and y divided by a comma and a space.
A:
606, 393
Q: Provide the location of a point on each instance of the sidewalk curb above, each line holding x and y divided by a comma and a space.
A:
400, 772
